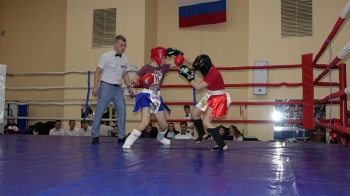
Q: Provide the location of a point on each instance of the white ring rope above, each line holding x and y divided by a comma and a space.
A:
56, 103
67, 119
48, 73
344, 51
48, 88
345, 11
59, 73
347, 90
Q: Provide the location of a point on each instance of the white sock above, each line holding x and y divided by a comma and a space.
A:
162, 139
131, 139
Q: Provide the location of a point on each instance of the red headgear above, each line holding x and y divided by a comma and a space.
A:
157, 54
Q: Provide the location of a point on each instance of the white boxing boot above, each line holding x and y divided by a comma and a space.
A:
162, 139
131, 139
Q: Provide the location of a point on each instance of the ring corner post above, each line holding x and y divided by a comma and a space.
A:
308, 92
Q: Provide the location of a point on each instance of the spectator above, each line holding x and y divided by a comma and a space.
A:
190, 125
184, 134
72, 130
57, 130
105, 129
320, 134
170, 134
90, 113
86, 129
114, 132
149, 132
222, 130
237, 135
11, 127
224, 133
106, 115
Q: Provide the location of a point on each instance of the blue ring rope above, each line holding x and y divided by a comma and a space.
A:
194, 90
87, 97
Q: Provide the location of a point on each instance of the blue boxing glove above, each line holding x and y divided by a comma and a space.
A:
186, 72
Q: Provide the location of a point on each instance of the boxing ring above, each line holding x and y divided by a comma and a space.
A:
48, 165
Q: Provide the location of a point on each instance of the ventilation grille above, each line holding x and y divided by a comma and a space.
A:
104, 27
296, 18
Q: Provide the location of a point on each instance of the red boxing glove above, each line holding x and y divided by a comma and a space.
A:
147, 79
179, 60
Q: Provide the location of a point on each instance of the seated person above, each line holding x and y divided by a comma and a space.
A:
89, 112
149, 132
86, 129
237, 135
114, 132
11, 127
170, 134
190, 125
184, 134
57, 130
72, 130
222, 131
334, 138
105, 129
107, 115
320, 134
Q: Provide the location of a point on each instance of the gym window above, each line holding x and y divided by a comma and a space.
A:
296, 18
104, 27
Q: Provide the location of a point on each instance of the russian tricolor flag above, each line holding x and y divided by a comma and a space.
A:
199, 12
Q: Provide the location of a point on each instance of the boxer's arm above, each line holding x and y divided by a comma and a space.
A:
134, 80
188, 60
199, 86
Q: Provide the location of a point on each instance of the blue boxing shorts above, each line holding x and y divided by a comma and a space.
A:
151, 99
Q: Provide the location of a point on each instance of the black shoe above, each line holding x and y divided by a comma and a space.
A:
121, 140
200, 138
95, 140
208, 136
219, 148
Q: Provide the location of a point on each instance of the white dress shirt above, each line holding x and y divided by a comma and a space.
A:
86, 132
104, 130
188, 116
55, 131
74, 132
113, 67
183, 136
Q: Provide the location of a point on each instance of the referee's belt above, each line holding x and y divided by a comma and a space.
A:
111, 84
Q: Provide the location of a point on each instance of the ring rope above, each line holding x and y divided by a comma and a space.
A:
46, 88
87, 97
334, 31
66, 119
340, 56
194, 92
178, 86
56, 103
48, 73
335, 126
337, 94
